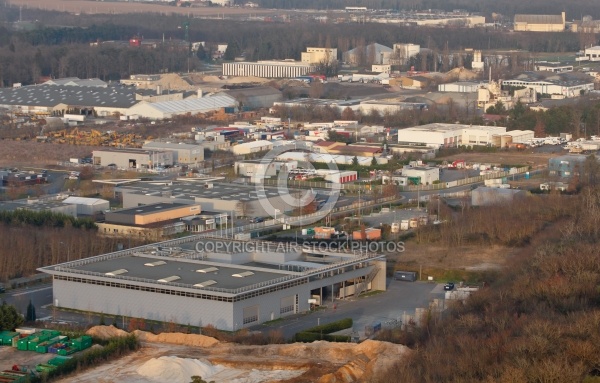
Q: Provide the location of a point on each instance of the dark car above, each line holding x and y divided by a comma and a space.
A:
449, 286
257, 220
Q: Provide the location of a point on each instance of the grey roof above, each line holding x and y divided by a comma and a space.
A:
539, 19
565, 78
76, 81
52, 95
171, 145
184, 269
379, 49
254, 91
190, 191
193, 105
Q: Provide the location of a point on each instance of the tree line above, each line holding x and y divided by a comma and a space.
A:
538, 321
574, 9
62, 51
581, 118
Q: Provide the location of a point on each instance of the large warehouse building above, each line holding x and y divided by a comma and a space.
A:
268, 69
439, 135
540, 23
201, 281
133, 158
188, 154
169, 109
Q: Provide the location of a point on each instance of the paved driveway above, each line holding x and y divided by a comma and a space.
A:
400, 298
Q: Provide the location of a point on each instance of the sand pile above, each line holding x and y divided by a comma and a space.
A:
177, 338
106, 332
177, 370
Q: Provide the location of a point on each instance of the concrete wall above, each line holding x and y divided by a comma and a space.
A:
195, 311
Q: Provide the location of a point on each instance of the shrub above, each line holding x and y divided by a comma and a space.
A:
322, 332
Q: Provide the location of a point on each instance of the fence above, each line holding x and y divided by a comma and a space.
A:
408, 188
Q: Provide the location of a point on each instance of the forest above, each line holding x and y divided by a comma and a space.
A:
81, 49
538, 321
34, 239
574, 9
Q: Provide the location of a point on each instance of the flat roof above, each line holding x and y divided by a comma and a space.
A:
229, 267
441, 127
151, 208
192, 190
186, 270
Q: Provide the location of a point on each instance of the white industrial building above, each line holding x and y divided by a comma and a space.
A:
169, 109
559, 85
425, 174
371, 54
201, 281
268, 69
439, 135
460, 87
554, 67
88, 206
591, 54
182, 153
133, 158
404, 52
252, 147
338, 176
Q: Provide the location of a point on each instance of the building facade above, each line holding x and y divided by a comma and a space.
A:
540, 23
268, 69
319, 55
201, 281
133, 158
182, 153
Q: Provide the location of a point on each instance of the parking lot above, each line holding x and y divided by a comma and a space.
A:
400, 298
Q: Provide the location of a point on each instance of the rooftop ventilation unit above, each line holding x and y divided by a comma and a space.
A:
206, 283
157, 263
207, 270
116, 272
243, 275
169, 279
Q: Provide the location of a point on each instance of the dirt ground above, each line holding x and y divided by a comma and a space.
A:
10, 356
30, 153
525, 157
97, 7
321, 362
465, 257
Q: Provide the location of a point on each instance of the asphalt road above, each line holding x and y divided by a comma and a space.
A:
400, 298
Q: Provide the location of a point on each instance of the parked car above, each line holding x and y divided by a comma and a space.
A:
449, 286
257, 220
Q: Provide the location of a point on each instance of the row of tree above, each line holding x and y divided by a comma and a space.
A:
537, 322
60, 52
580, 119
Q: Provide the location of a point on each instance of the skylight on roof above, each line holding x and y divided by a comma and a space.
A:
116, 272
207, 270
206, 283
243, 275
156, 263
169, 279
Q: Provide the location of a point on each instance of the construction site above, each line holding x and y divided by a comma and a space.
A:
93, 137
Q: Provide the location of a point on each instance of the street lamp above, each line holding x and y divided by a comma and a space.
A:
276, 211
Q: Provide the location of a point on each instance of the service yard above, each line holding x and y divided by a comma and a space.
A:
10, 356
525, 157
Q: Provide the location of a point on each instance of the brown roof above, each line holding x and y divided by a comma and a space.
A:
326, 144
539, 19
356, 149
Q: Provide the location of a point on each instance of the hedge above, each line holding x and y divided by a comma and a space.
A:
322, 332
